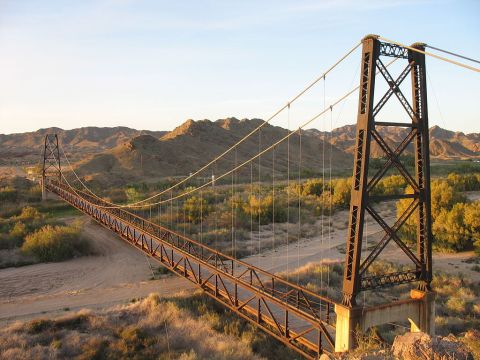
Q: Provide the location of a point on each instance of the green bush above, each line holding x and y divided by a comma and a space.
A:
56, 243
456, 224
467, 182
8, 193
458, 227
262, 208
195, 208
391, 185
29, 213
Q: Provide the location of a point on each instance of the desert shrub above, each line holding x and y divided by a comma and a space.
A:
472, 340
465, 182
458, 227
133, 194
38, 325
456, 299
133, 340
262, 208
56, 243
8, 193
29, 213
394, 184
94, 348
15, 236
444, 196
18, 190
341, 192
213, 236
311, 187
455, 221
367, 341
117, 196
162, 270
195, 208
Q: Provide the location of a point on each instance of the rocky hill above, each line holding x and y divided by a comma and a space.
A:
444, 144
127, 154
27, 147
194, 143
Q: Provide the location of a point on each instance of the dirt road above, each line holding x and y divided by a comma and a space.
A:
332, 249
117, 273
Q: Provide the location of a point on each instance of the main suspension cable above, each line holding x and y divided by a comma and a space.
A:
452, 53
255, 156
296, 97
430, 54
338, 101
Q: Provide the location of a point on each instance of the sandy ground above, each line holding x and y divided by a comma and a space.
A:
119, 272
332, 249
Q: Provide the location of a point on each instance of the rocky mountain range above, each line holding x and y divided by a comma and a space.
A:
130, 155
444, 144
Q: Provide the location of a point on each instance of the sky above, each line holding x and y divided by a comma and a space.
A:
153, 64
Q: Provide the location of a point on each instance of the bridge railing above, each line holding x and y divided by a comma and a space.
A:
285, 310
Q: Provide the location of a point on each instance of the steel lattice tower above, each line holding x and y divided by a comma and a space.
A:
355, 276
51, 161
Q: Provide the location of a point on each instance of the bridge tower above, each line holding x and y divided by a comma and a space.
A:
420, 310
51, 162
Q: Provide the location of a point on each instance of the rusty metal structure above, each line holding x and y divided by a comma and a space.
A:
301, 319
51, 161
355, 276
51, 158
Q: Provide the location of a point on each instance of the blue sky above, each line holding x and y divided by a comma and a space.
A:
154, 64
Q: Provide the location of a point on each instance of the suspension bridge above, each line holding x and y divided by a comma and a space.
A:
311, 323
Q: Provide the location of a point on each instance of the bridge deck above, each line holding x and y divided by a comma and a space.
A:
297, 317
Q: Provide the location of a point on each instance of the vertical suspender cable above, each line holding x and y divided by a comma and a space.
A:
232, 194
322, 210
201, 216
259, 189
273, 205
330, 198
250, 200
288, 192
214, 185
235, 212
299, 204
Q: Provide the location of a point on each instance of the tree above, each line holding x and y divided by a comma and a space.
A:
394, 184
133, 194
195, 208
341, 192
458, 227
262, 208
444, 196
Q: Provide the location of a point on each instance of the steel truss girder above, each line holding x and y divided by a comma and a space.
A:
355, 275
392, 50
387, 280
302, 320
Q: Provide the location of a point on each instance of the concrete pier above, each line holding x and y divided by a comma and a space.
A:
419, 310
44, 190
